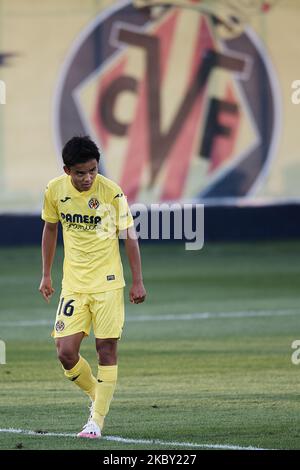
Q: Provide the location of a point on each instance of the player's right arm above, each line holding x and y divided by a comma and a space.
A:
49, 241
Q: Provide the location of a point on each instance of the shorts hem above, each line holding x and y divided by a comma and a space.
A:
62, 335
108, 337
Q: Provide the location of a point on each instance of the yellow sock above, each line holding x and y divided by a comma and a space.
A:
106, 384
81, 375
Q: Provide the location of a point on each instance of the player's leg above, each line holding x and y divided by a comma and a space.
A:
73, 321
67, 348
108, 320
106, 377
75, 367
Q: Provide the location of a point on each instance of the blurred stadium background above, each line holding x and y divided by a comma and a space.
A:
190, 102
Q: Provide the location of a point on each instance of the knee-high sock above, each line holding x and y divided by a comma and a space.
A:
81, 375
106, 384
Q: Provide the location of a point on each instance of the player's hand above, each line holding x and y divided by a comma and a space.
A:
137, 293
46, 288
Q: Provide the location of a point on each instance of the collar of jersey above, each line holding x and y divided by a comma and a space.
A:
81, 193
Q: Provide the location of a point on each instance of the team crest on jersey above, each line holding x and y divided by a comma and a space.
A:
183, 93
59, 326
93, 203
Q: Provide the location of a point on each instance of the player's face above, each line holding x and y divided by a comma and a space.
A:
83, 174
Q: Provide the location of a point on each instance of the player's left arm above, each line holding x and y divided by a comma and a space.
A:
137, 293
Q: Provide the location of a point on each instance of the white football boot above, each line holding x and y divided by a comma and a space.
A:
90, 430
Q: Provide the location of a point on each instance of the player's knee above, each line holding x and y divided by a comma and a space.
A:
107, 359
67, 358
107, 352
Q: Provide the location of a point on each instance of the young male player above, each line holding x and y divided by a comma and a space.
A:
93, 212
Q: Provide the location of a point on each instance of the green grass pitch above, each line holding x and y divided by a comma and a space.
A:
225, 378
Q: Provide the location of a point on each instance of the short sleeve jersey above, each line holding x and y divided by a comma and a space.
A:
91, 221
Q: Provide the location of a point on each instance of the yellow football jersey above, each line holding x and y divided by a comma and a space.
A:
91, 221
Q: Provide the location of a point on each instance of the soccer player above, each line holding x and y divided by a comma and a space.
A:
94, 213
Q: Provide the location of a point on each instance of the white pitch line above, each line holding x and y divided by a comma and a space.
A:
208, 315
135, 441
169, 317
18, 323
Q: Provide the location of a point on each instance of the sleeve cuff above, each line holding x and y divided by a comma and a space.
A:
51, 220
125, 226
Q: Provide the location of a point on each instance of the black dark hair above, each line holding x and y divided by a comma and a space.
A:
80, 150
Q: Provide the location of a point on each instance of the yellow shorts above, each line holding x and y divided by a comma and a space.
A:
77, 312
